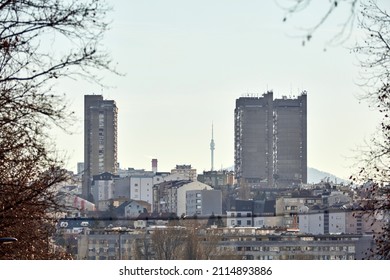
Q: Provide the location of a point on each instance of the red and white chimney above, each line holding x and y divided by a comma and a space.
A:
154, 165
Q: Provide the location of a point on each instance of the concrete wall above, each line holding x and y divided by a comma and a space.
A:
181, 195
203, 202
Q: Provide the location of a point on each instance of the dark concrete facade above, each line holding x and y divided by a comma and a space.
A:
270, 141
100, 139
290, 140
253, 140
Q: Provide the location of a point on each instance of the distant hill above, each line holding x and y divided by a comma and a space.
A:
316, 176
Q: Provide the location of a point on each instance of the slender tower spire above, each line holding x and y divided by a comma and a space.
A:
212, 147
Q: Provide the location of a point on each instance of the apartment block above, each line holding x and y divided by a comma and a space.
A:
203, 202
100, 139
185, 170
170, 196
270, 141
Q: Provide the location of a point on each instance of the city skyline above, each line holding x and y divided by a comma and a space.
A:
198, 130
186, 63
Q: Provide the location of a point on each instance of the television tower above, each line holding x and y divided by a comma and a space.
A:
212, 147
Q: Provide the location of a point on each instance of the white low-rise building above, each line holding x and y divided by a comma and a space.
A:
170, 197
322, 220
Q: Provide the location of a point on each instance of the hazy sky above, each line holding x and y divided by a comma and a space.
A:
186, 62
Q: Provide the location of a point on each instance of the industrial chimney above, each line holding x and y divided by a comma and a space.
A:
154, 165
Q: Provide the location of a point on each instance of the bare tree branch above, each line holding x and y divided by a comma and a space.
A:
29, 167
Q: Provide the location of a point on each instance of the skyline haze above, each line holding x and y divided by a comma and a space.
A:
186, 62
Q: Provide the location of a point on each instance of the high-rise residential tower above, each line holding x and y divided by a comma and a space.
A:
270, 146
290, 140
253, 140
100, 139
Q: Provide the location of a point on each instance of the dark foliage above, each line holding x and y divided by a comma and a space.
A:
40, 41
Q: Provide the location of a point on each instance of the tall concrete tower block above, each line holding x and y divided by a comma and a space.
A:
253, 140
100, 139
270, 140
290, 140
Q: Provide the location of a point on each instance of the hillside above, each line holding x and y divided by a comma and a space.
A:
316, 176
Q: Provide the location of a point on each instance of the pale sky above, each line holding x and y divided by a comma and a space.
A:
187, 61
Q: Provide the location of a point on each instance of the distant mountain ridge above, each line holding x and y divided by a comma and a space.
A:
316, 176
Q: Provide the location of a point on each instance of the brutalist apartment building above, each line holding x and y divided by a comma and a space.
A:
270, 141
